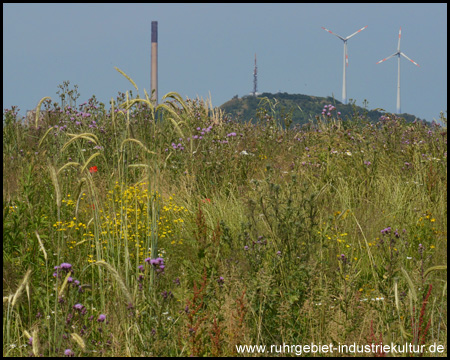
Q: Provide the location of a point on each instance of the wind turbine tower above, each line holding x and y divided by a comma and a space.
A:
398, 53
255, 79
344, 82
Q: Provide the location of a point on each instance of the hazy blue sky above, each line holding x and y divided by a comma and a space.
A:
206, 48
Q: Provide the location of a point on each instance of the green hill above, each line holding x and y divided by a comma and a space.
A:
300, 108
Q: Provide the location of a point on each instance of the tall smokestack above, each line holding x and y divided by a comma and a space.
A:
154, 72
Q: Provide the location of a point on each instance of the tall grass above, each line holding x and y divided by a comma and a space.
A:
173, 230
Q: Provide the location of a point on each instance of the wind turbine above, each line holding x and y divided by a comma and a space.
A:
398, 53
344, 83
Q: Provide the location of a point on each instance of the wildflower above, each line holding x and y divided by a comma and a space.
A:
66, 266
141, 268
30, 341
78, 307
69, 352
220, 280
245, 247
177, 281
93, 169
279, 253
101, 318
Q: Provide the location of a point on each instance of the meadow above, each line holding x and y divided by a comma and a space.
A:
174, 230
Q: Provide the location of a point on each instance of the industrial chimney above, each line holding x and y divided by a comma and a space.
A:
154, 70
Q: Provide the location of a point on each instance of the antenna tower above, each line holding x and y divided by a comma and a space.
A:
255, 79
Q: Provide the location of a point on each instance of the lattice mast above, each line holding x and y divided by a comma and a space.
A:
255, 79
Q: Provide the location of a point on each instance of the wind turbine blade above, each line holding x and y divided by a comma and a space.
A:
399, 38
409, 59
387, 58
340, 37
348, 37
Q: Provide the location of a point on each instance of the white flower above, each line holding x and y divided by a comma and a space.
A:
12, 346
348, 153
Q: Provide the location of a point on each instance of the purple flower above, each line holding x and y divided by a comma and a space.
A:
245, 247
66, 266
386, 231
69, 352
220, 280
101, 318
141, 268
30, 341
177, 281
279, 253
78, 307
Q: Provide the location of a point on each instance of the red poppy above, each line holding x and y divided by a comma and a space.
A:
93, 169
206, 200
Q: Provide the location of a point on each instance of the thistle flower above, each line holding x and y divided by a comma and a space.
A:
66, 266
69, 352
78, 307
101, 318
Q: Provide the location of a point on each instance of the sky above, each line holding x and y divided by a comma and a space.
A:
207, 50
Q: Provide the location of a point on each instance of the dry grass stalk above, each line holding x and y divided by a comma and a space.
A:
116, 276
38, 108
63, 286
55, 184
77, 338
41, 245
21, 287
35, 343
